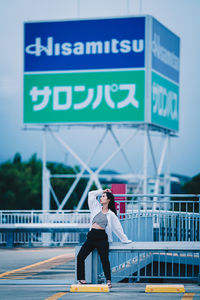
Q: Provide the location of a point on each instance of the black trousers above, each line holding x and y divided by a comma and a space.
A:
96, 239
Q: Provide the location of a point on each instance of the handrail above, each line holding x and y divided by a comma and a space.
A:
150, 246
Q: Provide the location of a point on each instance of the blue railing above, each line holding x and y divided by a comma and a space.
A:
159, 219
148, 219
152, 260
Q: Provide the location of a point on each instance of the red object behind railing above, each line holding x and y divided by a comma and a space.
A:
119, 188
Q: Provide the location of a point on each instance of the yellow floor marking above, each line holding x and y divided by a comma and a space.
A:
188, 296
14, 277
165, 288
35, 265
56, 296
89, 288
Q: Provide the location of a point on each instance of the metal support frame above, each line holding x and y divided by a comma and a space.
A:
45, 177
158, 166
94, 176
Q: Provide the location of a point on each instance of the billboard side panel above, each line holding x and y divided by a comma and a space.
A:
164, 102
165, 51
148, 26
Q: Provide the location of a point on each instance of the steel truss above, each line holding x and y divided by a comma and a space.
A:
149, 155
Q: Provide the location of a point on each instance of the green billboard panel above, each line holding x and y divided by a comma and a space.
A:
164, 102
84, 97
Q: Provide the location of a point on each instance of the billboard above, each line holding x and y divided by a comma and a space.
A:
93, 71
84, 71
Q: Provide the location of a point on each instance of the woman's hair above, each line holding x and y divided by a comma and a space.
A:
111, 204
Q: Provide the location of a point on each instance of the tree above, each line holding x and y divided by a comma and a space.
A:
193, 187
21, 184
17, 158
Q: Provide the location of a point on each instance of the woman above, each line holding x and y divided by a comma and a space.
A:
103, 221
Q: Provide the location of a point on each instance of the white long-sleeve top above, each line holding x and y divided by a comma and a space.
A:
113, 221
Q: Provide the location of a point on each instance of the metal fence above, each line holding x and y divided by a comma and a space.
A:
162, 217
43, 217
141, 264
40, 216
147, 218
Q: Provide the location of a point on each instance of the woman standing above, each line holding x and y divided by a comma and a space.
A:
103, 222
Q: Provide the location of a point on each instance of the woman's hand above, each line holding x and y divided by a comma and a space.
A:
107, 190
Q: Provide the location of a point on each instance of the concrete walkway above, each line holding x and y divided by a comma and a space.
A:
47, 273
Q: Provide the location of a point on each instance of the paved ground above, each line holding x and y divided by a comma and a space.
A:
48, 273
120, 291
19, 257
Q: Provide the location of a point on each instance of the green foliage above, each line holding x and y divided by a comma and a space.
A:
192, 186
21, 184
17, 158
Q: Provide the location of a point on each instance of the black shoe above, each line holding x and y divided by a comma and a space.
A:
82, 282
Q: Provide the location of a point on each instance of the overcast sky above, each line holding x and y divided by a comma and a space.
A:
181, 16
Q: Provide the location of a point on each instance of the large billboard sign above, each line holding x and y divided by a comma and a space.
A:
91, 71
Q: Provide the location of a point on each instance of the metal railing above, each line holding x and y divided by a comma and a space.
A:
159, 218
42, 218
152, 260
147, 218
171, 219
162, 217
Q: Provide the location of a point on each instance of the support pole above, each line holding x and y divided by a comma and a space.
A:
167, 182
140, 7
78, 8
157, 182
145, 173
45, 177
46, 237
84, 195
152, 153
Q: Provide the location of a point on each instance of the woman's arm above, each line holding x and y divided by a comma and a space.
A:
93, 203
118, 230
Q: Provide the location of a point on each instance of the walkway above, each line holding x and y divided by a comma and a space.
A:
47, 274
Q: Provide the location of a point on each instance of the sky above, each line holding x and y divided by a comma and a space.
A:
180, 16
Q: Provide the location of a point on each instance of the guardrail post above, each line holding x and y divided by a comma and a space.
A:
138, 270
30, 239
156, 234
9, 239
94, 266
